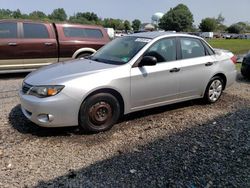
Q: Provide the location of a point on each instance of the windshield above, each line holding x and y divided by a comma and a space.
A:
120, 50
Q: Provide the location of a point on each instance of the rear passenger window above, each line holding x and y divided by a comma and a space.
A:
8, 30
191, 48
209, 50
82, 32
33, 30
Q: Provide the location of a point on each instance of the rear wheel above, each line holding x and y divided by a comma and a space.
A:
214, 90
99, 112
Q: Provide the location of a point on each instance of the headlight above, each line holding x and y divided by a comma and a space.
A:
45, 91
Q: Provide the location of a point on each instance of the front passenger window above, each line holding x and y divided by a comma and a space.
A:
163, 50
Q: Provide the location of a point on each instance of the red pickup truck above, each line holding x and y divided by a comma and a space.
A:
27, 45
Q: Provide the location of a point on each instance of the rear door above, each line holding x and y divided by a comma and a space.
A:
39, 45
10, 49
73, 38
198, 65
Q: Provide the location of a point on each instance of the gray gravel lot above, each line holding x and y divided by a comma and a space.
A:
184, 145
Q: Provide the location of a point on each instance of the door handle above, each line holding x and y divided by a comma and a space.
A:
175, 70
48, 44
209, 64
12, 44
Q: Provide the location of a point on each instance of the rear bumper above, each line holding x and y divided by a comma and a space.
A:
231, 78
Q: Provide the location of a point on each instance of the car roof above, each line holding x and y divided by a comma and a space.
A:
156, 34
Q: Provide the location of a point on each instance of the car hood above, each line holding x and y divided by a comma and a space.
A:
64, 71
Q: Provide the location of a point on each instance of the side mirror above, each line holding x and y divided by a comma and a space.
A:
148, 61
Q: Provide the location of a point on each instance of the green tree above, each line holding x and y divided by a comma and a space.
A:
17, 14
127, 25
220, 19
220, 26
5, 13
85, 18
58, 15
79, 20
178, 19
90, 16
117, 24
208, 25
37, 15
240, 27
136, 24
234, 28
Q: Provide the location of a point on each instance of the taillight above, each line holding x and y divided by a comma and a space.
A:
234, 59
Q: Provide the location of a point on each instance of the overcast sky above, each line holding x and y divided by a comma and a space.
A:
233, 11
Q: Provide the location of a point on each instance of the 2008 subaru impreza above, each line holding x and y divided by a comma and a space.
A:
131, 73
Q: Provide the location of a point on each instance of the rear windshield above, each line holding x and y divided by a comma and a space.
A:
82, 32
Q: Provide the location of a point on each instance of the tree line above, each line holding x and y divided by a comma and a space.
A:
179, 19
59, 15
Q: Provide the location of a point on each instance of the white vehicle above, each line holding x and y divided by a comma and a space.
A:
207, 35
131, 73
111, 32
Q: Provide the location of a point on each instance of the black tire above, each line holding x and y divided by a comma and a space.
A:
207, 96
99, 112
244, 74
83, 55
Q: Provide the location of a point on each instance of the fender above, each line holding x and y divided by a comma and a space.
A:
81, 50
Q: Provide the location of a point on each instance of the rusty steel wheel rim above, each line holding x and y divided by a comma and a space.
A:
100, 113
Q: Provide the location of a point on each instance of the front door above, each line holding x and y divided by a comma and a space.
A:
10, 49
159, 84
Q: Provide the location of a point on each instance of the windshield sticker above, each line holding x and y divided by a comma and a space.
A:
125, 59
142, 40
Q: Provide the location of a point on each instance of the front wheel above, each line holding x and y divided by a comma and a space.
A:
214, 90
99, 112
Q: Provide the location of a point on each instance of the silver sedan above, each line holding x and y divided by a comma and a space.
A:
129, 74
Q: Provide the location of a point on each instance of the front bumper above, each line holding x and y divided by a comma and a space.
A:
56, 111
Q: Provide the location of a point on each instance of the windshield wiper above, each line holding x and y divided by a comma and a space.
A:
96, 59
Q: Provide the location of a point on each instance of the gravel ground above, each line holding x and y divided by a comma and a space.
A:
184, 145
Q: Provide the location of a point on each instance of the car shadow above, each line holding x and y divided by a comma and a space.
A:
241, 79
7, 76
19, 122
208, 155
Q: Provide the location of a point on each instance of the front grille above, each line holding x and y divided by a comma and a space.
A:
26, 88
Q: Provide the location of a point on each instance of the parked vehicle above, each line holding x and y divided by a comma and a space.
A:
111, 32
245, 66
209, 35
27, 45
129, 74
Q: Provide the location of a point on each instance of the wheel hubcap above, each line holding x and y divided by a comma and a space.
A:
215, 90
100, 113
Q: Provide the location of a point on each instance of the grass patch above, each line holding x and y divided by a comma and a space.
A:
238, 66
237, 46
